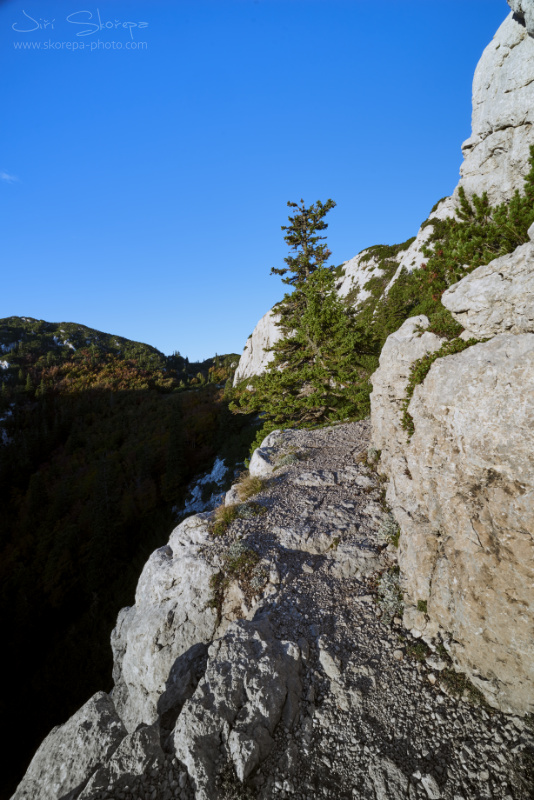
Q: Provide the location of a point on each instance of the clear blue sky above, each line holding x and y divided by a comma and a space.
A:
144, 183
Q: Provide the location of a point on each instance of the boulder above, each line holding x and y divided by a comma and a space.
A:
496, 298
263, 460
72, 752
171, 614
252, 682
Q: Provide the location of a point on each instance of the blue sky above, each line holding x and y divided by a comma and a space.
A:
144, 177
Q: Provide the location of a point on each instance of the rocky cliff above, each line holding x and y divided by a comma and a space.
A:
256, 356
270, 660
461, 487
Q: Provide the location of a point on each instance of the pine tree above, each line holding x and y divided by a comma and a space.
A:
311, 379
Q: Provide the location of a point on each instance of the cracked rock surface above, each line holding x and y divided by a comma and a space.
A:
315, 689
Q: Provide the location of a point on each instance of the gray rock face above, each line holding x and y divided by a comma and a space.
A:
496, 155
251, 682
136, 754
356, 273
401, 349
462, 490
524, 11
72, 752
496, 298
171, 614
387, 780
412, 258
471, 459
255, 358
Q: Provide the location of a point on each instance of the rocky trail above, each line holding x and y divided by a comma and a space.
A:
274, 663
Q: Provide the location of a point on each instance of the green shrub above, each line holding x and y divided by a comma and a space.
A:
240, 564
458, 684
418, 651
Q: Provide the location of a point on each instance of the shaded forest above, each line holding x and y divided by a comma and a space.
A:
100, 439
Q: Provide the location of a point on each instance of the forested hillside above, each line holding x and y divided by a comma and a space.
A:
100, 438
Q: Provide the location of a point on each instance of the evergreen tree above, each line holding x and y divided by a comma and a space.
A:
311, 378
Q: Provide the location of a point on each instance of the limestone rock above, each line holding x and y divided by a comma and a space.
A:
232, 496
471, 458
387, 780
524, 11
72, 752
355, 274
251, 683
462, 490
496, 298
497, 152
255, 358
400, 351
263, 461
137, 753
412, 258
171, 614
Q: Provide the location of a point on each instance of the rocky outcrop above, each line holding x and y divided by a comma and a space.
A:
137, 755
400, 351
72, 752
498, 297
171, 615
355, 273
264, 458
251, 683
255, 356
472, 476
497, 152
524, 13
462, 488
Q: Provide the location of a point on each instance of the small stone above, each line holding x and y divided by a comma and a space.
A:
431, 678
398, 655
431, 787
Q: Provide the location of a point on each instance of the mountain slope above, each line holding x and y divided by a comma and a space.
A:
101, 437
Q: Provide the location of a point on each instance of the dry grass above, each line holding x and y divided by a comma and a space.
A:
247, 486
224, 516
